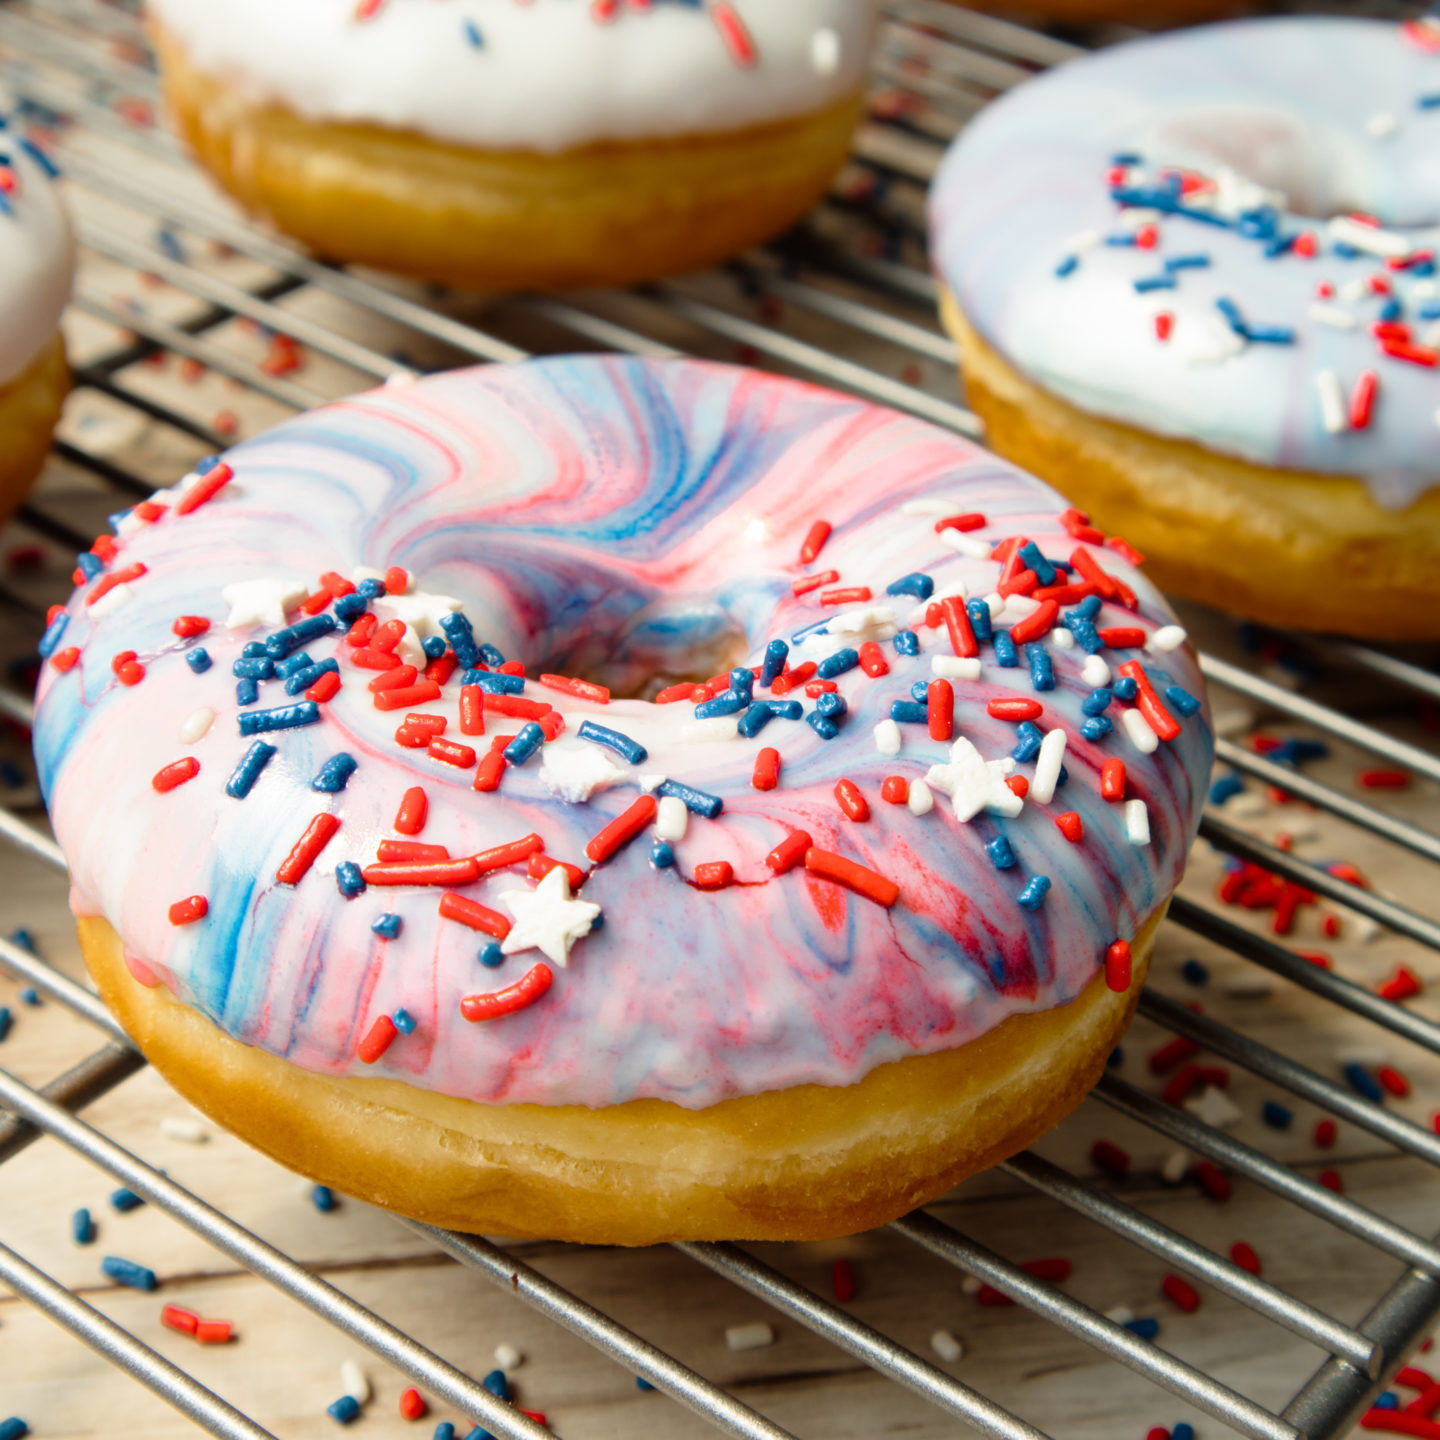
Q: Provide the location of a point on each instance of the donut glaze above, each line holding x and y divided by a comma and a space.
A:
544, 77
1277, 129
37, 252
623, 520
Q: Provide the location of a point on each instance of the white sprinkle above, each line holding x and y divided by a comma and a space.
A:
1120, 1314
971, 1285
196, 724
1084, 240
995, 604
111, 601
1212, 341
1426, 289
365, 572
1430, 336
1137, 218
1232, 720
1332, 315
934, 505
921, 801
879, 620
946, 1346
955, 667
1137, 727
1137, 820
1047, 768
1167, 638
1249, 987
702, 732
651, 781
974, 783
671, 818
1353, 290
356, 1382
749, 1337
1248, 805
1062, 639
1175, 1167
507, 1357
261, 602
825, 51
573, 772
1095, 672
887, 737
187, 1132
1214, 1107
1333, 414
1019, 607
1381, 124
1372, 239
964, 544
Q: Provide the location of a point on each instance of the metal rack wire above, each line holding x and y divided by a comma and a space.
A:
859, 304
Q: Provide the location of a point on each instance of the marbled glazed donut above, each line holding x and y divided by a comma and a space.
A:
1194, 286
774, 954
37, 263
505, 145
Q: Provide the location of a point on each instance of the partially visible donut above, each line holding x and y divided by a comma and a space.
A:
519, 146
1152, 317
844, 961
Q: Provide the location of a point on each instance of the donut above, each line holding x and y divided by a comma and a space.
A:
37, 262
778, 952
1193, 283
506, 146
1153, 14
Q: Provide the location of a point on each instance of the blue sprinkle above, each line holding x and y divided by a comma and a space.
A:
1195, 973
386, 926
908, 712
1147, 283
125, 1200
82, 1227
662, 855
496, 1383
334, 775
777, 652
1279, 245
1183, 1431
491, 956
917, 583
785, 709
24, 939
1125, 689
1231, 311
1423, 102
1145, 1327
10, 775
40, 157
755, 719
344, 1410
1034, 560
1187, 262
822, 725
1276, 1115
1271, 334
525, 744
348, 879
1067, 266
205, 464
247, 692
491, 656
1042, 671
13, 1429
831, 704
89, 564
1391, 309
1034, 892
1363, 1083
293, 664
247, 772
403, 1021
349, 608
1388, 1401
1115, 1059
128, 1273
1182, 701
980, 621
283, 717
30, 996
1430, 310
1089, 607
473, 38
1127, 157
322, 1197
444, 1431
920, 691
1001, 853
1097, 728
1087, 637
1225, 788
742, 678
493, 683
293, 637
906, 642
1121, 241
302, 680
433, 646
614, 740
727, 702
698, 801
838, 664
1005, 654
642, 1384
1028, 740
1097, 702
457, 631
50, 640
6, 1021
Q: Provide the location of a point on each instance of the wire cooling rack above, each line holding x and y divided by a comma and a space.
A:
857, 304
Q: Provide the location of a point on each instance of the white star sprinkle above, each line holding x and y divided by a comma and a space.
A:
974, 783
573, 773
261, 602
421, 610
547, 919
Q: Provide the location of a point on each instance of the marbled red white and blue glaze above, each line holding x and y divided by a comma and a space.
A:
1329, 115
615, 517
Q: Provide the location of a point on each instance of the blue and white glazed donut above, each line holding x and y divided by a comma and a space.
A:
1194, 282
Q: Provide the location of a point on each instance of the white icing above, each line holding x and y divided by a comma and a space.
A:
547, 77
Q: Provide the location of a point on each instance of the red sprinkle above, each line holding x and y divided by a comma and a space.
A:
1125, 550
766, 775
1245, 1257
1384, 779
368, 659
185, 912
388, 635
790, 852
393, 678
1017, 708
66, 660
1181, 1084
1393, 1081
174, 1318
205, 488
1164, 324
325, 688
940, 709
451, 753
1214, 1181
851, 801
1401, 985
489, 771
1123, 637
895, 790
957, 623
1330, 1179
390, 851
318, 834
472, 710
540, 865
1112, 780
1089, 568
970, 521
806, 583
439, 872
714, 875
1033, 626
188, 626
397, 581
176, 773
414, 807
579, 689
622, 829
852, 876
360, 632
842, 1281
1181, 1292
1325, 1133
1072, 827
107, 583
815, 540
474, 914
525, 991
1362, 400
1077, 523
377, 1040
1160, 720
511, 853
407, 695
412, 1405
1164, 1058
1108, 1156
1117, 966
1018, 785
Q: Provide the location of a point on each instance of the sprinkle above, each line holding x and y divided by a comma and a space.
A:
377, 1040
348, 879
196, 724
624, 828
1181, 1292
186, 912
837, 664
322, 1197
414, 806
347, 1408
168, 777
412, 1403
1141, 735
1112, 780
749, 1337
1137, 822
920, 800
1401, 985
128, 1273
906, 642
1002, 853
524, 992
917, 583
873, 661
776, 653
671, 818
701, 802
386, 926
714, 875
946, 1346
1384, 779
186, 1131
790, 852
1325, 1133
815, 540
317, 836
851, 801
766, 774
1109, 1157
1048, 767
1118, 966
283, 717
205, 488
334, 774
1182, 700
940, 709
475, 915
1033, 895
887, 737
1362, 400
82, 1227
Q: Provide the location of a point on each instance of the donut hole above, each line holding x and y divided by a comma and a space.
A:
1313, 169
